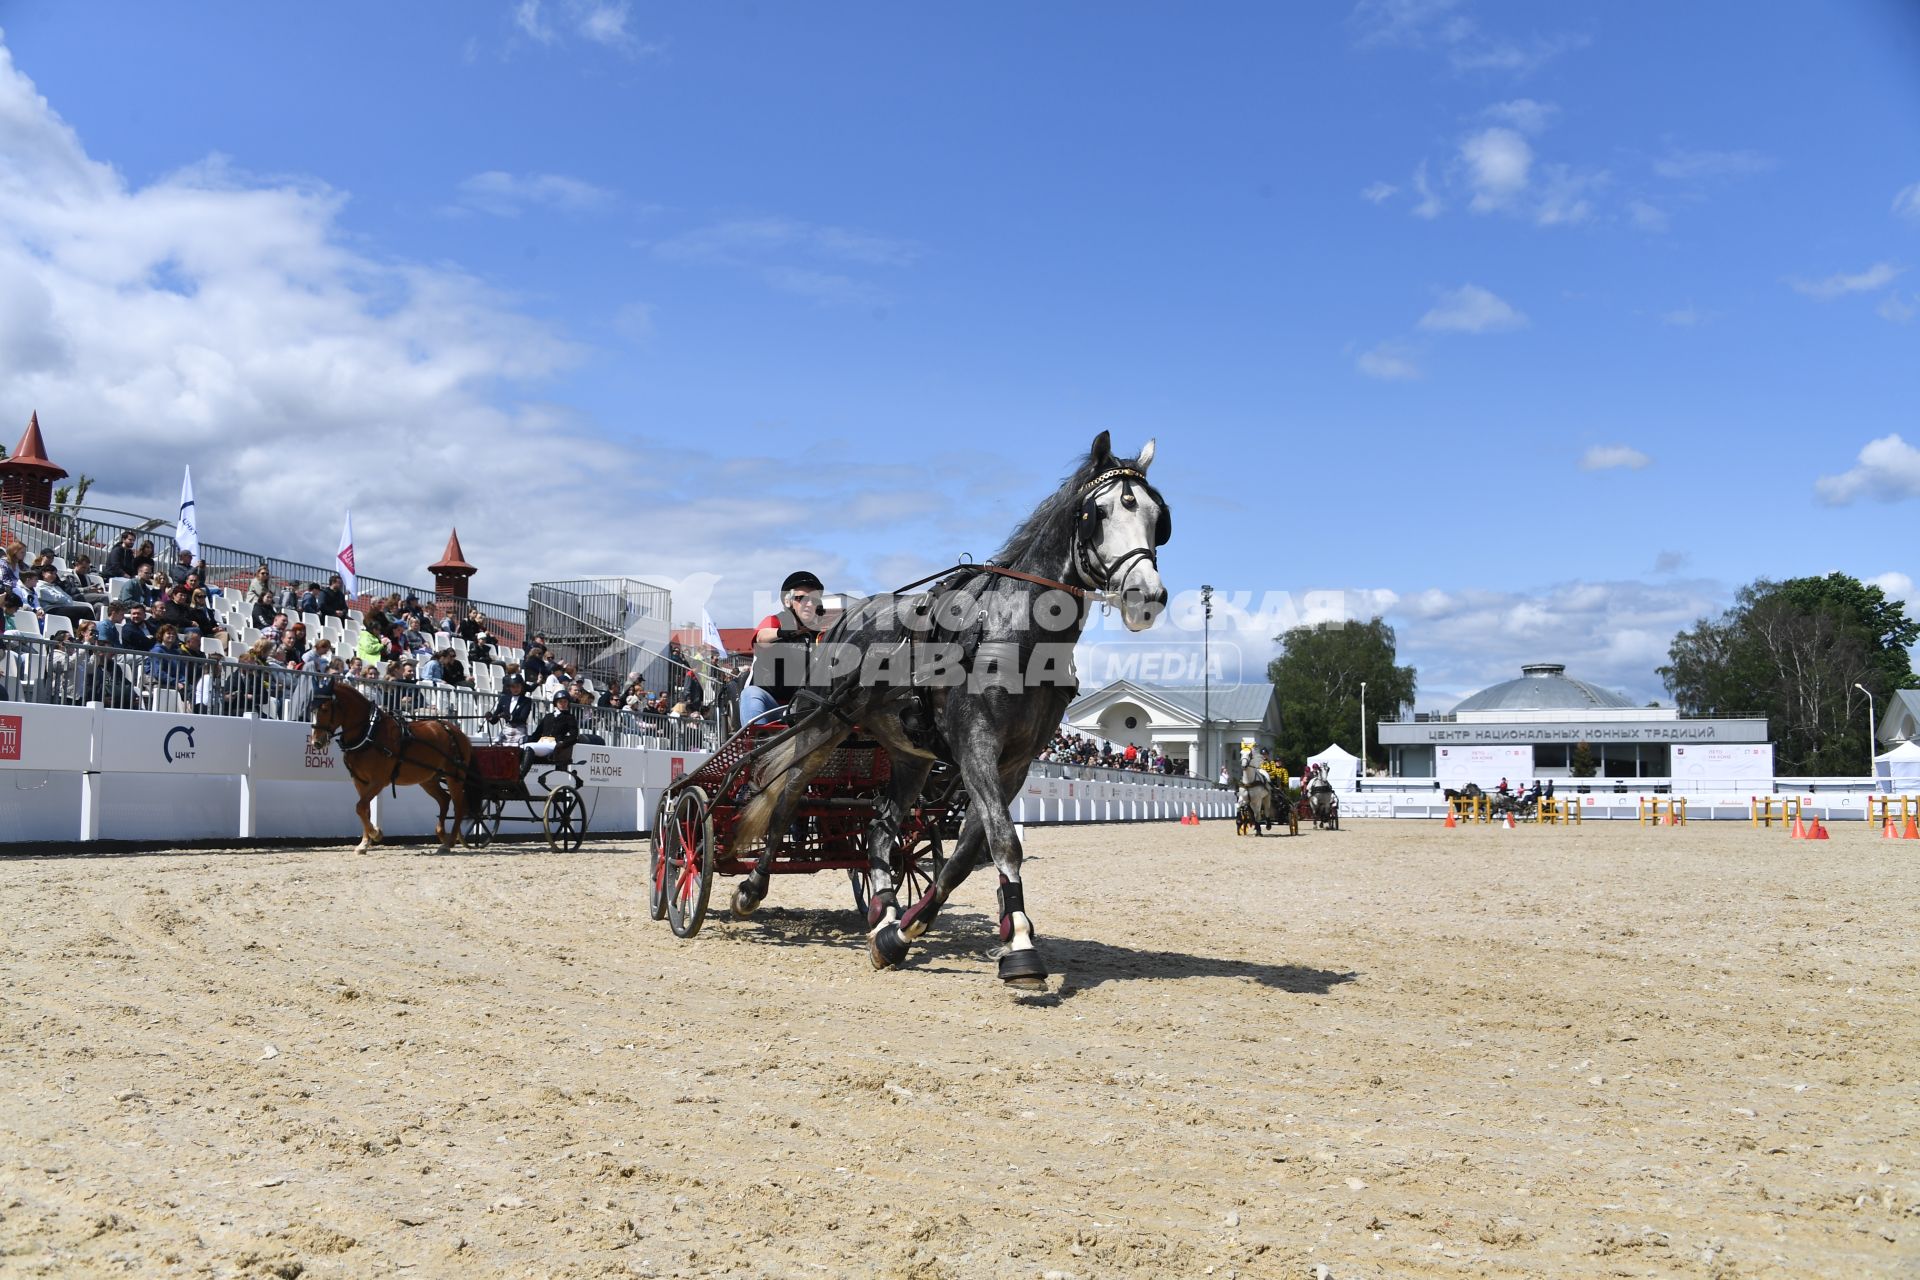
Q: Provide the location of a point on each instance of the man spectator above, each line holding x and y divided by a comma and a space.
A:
137, 632
320, 659
693, 695
310, 600
177, 611
371, 648
333, 599
49, 598
181, 569
82, 583
276, 629
512, 710
108, 632
139, 588
535, 665
120, 557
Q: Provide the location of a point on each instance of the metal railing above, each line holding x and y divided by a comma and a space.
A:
62, 671
1101, 773
95, 531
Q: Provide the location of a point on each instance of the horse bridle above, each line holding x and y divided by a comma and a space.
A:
339, 732
1098, 576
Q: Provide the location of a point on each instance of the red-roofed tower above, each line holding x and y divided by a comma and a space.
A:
451, 571
27, 474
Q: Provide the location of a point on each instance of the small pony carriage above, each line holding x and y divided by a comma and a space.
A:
694, 824
557, 808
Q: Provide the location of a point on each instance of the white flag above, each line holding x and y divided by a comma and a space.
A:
711, 634
344, 558
186, 530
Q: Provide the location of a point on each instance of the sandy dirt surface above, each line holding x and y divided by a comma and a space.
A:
1394, 1050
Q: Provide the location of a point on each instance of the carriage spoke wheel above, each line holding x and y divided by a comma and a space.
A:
660, 857
689, 863
916, 867
565, 820
483, 822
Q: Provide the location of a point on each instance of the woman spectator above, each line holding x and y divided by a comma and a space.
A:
247, 683
202, 612
144, 556
168, 666
452, 670
371, 648
261, 588
320, 659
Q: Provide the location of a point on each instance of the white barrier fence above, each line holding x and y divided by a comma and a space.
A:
1833, 799
98, 773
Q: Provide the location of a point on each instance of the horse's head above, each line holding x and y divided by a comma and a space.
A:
325, 710
1122, 523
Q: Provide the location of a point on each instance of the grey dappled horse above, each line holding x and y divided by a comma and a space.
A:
977, 672
1257, 790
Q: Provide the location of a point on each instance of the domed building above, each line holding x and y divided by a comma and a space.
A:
1532, 727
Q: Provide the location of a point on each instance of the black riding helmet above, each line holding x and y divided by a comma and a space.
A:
802, 581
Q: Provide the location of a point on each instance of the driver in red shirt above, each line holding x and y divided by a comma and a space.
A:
781, 646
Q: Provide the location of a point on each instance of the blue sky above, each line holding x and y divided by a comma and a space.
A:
1539, 328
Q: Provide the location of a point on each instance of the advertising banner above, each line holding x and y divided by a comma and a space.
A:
149, 742
1724, 763
281, 754
1455, 766
53, 738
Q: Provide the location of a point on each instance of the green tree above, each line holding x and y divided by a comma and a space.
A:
1317, 680
1583, 763
1795, 652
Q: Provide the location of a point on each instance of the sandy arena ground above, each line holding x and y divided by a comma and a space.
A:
1392, 1051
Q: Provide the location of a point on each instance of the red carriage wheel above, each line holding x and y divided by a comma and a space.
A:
689, 862
660, 856
917, 865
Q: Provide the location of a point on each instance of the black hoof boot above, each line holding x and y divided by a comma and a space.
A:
1023, 969
748, 895
885, 947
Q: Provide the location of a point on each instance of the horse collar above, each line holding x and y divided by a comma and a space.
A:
373, 721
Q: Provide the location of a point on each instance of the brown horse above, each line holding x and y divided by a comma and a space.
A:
383, 750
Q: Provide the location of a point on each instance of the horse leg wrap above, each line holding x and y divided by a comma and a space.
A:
1020, 963
921, 914
882, 907
1011, 900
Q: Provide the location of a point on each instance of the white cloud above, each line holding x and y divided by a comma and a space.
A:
1888, 470
1898, 586
1694, 165
1444, 26
1907, 203
1524, 114
1613, 457
606, 23
238, 324
635, 322
1389, 362
507, 195
532, 22
1430, 205
1687, 317
1647, 217
1471, 309
1563, 196
1897, 309
1877, 276
1613, 634
1497, 161
800, 258
1377, 192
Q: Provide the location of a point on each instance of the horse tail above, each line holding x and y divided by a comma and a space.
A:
782, 764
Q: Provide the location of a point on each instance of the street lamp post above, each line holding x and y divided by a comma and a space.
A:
1870, 724
1361, 785
1206, 678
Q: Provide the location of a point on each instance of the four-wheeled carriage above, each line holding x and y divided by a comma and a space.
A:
693, 828
557, 807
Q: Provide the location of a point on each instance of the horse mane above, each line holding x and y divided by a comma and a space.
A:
1034, 536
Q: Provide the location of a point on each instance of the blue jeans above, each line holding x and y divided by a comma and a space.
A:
755, 701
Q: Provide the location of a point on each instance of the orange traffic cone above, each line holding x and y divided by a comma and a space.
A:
1912, 832
1819, 832
1889, 832
1799, 831
1510, 825
1451, 823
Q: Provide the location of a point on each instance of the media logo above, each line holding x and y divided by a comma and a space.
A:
11, 732
167, 749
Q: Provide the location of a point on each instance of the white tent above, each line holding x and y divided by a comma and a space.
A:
1343, 767
1899, 769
